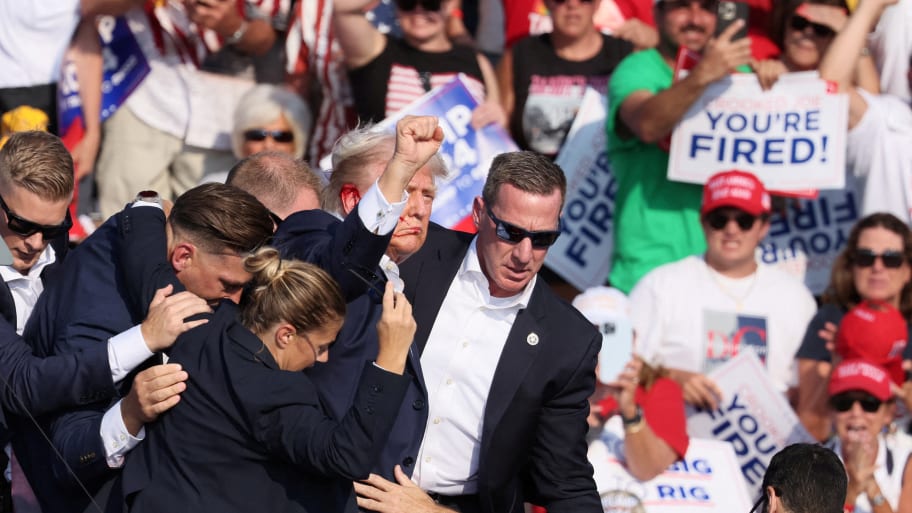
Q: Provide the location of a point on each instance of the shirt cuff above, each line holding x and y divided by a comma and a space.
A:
378, 215
141, 203
115, 437
377, 365
126, 351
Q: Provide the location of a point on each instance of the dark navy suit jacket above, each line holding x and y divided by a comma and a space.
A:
30, 385
247, 436
338, 246
533, 446
79, 310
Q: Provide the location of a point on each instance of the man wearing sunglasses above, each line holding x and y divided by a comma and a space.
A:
656, 220
508, 366
209, 231
694, 314
36, 185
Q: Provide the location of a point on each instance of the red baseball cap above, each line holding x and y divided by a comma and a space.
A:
860, 375
875, 332
738, 189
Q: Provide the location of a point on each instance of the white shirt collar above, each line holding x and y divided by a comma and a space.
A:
48, 257
471, 271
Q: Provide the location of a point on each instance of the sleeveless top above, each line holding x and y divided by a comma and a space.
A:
893, 451
403, 73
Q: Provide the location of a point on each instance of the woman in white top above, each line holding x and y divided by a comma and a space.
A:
877, 464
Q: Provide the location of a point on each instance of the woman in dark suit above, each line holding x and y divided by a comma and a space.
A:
249, 433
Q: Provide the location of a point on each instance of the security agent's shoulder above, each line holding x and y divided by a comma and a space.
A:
561, 315
305, 221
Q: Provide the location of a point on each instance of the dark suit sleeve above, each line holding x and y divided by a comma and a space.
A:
37, 386
143, 255
303, 435
559, 473
76, 435
319, 238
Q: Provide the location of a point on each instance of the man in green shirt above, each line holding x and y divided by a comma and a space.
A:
658, 221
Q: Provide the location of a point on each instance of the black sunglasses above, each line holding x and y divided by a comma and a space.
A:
718, 219
865, 258
844, 402
411, 5
279, 136
26, 228
800, 23
514, 234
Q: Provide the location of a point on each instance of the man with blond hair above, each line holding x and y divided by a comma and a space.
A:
36, 185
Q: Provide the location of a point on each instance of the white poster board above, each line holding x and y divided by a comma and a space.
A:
753, 417
705, 481
806, 241
582, 254
793, 137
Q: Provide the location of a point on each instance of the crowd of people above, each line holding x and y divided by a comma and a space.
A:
242, 332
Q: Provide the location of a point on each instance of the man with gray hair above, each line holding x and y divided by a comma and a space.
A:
359, 158
387, 212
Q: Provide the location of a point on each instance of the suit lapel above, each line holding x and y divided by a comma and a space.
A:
435, 274
523, 343
7, 305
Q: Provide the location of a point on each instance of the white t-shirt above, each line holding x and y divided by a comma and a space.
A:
176, 97
879, 153
888, 469
891, 45
33, 36
687, 316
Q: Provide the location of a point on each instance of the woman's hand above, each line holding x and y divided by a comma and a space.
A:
624, 387
488, 112
859, 452
395, 331
828, 15
639, 34
768, 71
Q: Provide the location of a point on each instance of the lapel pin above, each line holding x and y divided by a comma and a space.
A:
532, 339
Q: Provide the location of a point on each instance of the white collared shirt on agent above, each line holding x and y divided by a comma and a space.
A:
458, 364
124, 352
25, 288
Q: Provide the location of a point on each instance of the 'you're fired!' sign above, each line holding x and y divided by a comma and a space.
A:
792, 137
